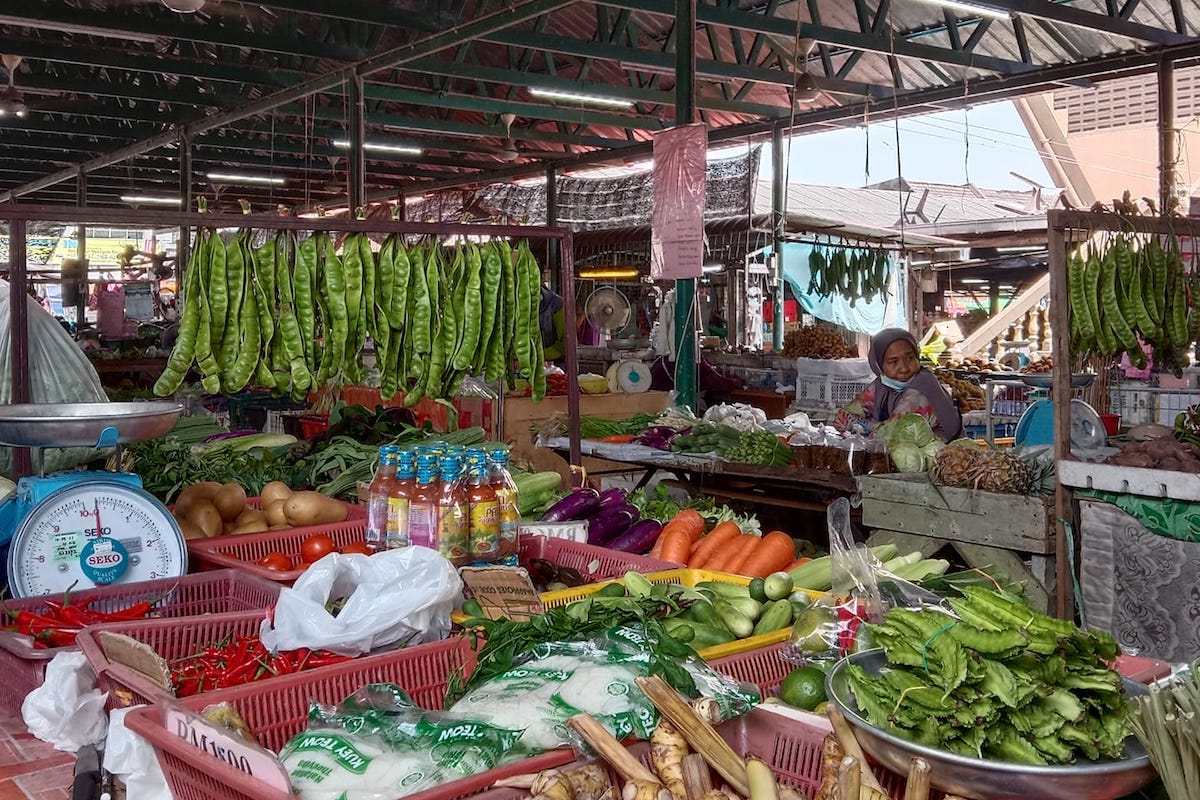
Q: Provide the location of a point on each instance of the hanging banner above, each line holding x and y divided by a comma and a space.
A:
677, 229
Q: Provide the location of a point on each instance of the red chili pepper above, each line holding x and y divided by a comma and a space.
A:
282, 664
134, 612
29, 623
324, 658
57, 637
76, 615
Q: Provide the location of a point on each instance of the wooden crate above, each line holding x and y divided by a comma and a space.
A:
909, 503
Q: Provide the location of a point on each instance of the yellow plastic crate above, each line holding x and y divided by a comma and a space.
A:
689, 578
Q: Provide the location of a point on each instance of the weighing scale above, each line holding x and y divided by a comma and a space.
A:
86, 528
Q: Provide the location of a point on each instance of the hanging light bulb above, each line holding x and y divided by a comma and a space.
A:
184, 6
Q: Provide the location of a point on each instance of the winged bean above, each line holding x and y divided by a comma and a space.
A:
184, 350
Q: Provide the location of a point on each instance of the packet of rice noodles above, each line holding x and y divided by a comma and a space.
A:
379, 745
595, 676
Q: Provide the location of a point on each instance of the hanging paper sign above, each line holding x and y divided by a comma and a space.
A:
677, 229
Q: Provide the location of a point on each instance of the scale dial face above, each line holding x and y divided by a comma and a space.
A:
60, 542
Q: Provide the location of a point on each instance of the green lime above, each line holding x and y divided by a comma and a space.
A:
804, 687
815, 631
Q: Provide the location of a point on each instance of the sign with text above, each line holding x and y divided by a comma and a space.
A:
677, 228
503, 592
222, 745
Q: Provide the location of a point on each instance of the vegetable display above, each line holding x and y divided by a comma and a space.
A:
292, 316
1134, 289
1002, 681
1167, 723
911, 443
817, 341
211, 509
1162, 453
241, 660
852, 273
63, 620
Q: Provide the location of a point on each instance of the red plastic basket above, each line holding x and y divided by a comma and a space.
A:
220, 592
764, 667
244, 550
277, 711
592, 562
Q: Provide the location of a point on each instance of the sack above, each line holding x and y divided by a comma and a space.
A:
388, 600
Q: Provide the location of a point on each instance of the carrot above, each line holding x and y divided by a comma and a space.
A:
618, 438
774, 552
656, 550
706, 547
693, 520
796, 563
726, 560
675, 545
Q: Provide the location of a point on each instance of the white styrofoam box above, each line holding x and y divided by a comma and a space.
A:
845, 369
1130, 480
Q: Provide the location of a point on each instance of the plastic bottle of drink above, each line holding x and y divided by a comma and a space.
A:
377, 499
453, 514
484, 528
506, 496
406, 479
423, 505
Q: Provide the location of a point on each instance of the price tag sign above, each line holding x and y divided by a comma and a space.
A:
503, 592
576, 531
222, 745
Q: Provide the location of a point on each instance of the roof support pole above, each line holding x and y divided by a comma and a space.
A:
18, 311
1166, 136
354, 154
185, 202
81, 286
777, 217
552, 248
685, 290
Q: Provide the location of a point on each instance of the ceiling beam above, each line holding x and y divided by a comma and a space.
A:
513, 14
129, 90
1069, 15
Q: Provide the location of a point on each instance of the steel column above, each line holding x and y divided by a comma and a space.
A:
18, 311
1056, 245
552, 221
1166, 136
354, 155
778, 211
183, 245
685, 290
81, 294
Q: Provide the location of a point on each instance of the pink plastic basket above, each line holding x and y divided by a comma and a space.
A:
764, 667
593, 563
278, 710
244, 550
221, 592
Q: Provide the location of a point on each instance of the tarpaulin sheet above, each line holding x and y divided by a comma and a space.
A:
863, 317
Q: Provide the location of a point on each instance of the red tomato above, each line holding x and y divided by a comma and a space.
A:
357, 547
276, 561
316, 547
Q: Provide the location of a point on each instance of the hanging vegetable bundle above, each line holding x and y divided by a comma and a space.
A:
853, 274
292, 316
1133, 290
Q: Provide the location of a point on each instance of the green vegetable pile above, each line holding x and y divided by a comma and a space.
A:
911, 443
657, 504
758, 447
292, 315
1005, 682
852, 274
706, 437
1187, 425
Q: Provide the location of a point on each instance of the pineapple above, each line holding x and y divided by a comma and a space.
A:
1004, 471
957, 463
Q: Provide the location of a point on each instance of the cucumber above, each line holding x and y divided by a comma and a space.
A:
703, 612
680, 629
747, 606
704, 636
738, 623
777, 615
723, 589
758, 590
777, 586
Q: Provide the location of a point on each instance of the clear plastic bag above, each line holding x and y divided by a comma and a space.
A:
389, 599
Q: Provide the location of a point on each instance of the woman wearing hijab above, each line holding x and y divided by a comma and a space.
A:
902, 386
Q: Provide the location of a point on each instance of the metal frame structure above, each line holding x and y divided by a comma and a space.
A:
1065, 228
18, 216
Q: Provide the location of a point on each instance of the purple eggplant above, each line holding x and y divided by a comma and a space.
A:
608, 525
639, 538
577, 505
611, 498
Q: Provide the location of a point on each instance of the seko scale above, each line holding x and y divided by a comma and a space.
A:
84, 528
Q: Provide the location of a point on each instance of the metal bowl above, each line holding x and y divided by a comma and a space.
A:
84, 424
991, 780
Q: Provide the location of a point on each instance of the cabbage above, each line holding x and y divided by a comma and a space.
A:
911, 442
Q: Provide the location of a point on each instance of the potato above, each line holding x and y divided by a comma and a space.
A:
275, 490
313, 508
248, 516
274, 512
196, 491
284, 527
204, 515
253, 526
230, 501
190, 529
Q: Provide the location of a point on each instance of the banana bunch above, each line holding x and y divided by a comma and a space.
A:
853, 274
1134, 290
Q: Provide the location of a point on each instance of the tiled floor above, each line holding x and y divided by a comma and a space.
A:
31, 769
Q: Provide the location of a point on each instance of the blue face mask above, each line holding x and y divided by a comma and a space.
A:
894, 384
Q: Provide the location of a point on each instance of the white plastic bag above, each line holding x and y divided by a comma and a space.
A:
131, 758
66, 710
392, 599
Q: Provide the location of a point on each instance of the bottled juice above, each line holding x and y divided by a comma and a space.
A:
423, 505
484, 529
406, 479
377, 499
453, 514
506, 497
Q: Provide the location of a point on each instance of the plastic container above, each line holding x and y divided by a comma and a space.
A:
222, 592
313, 425
1112, 423
243, 551
277, 711
764, 667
